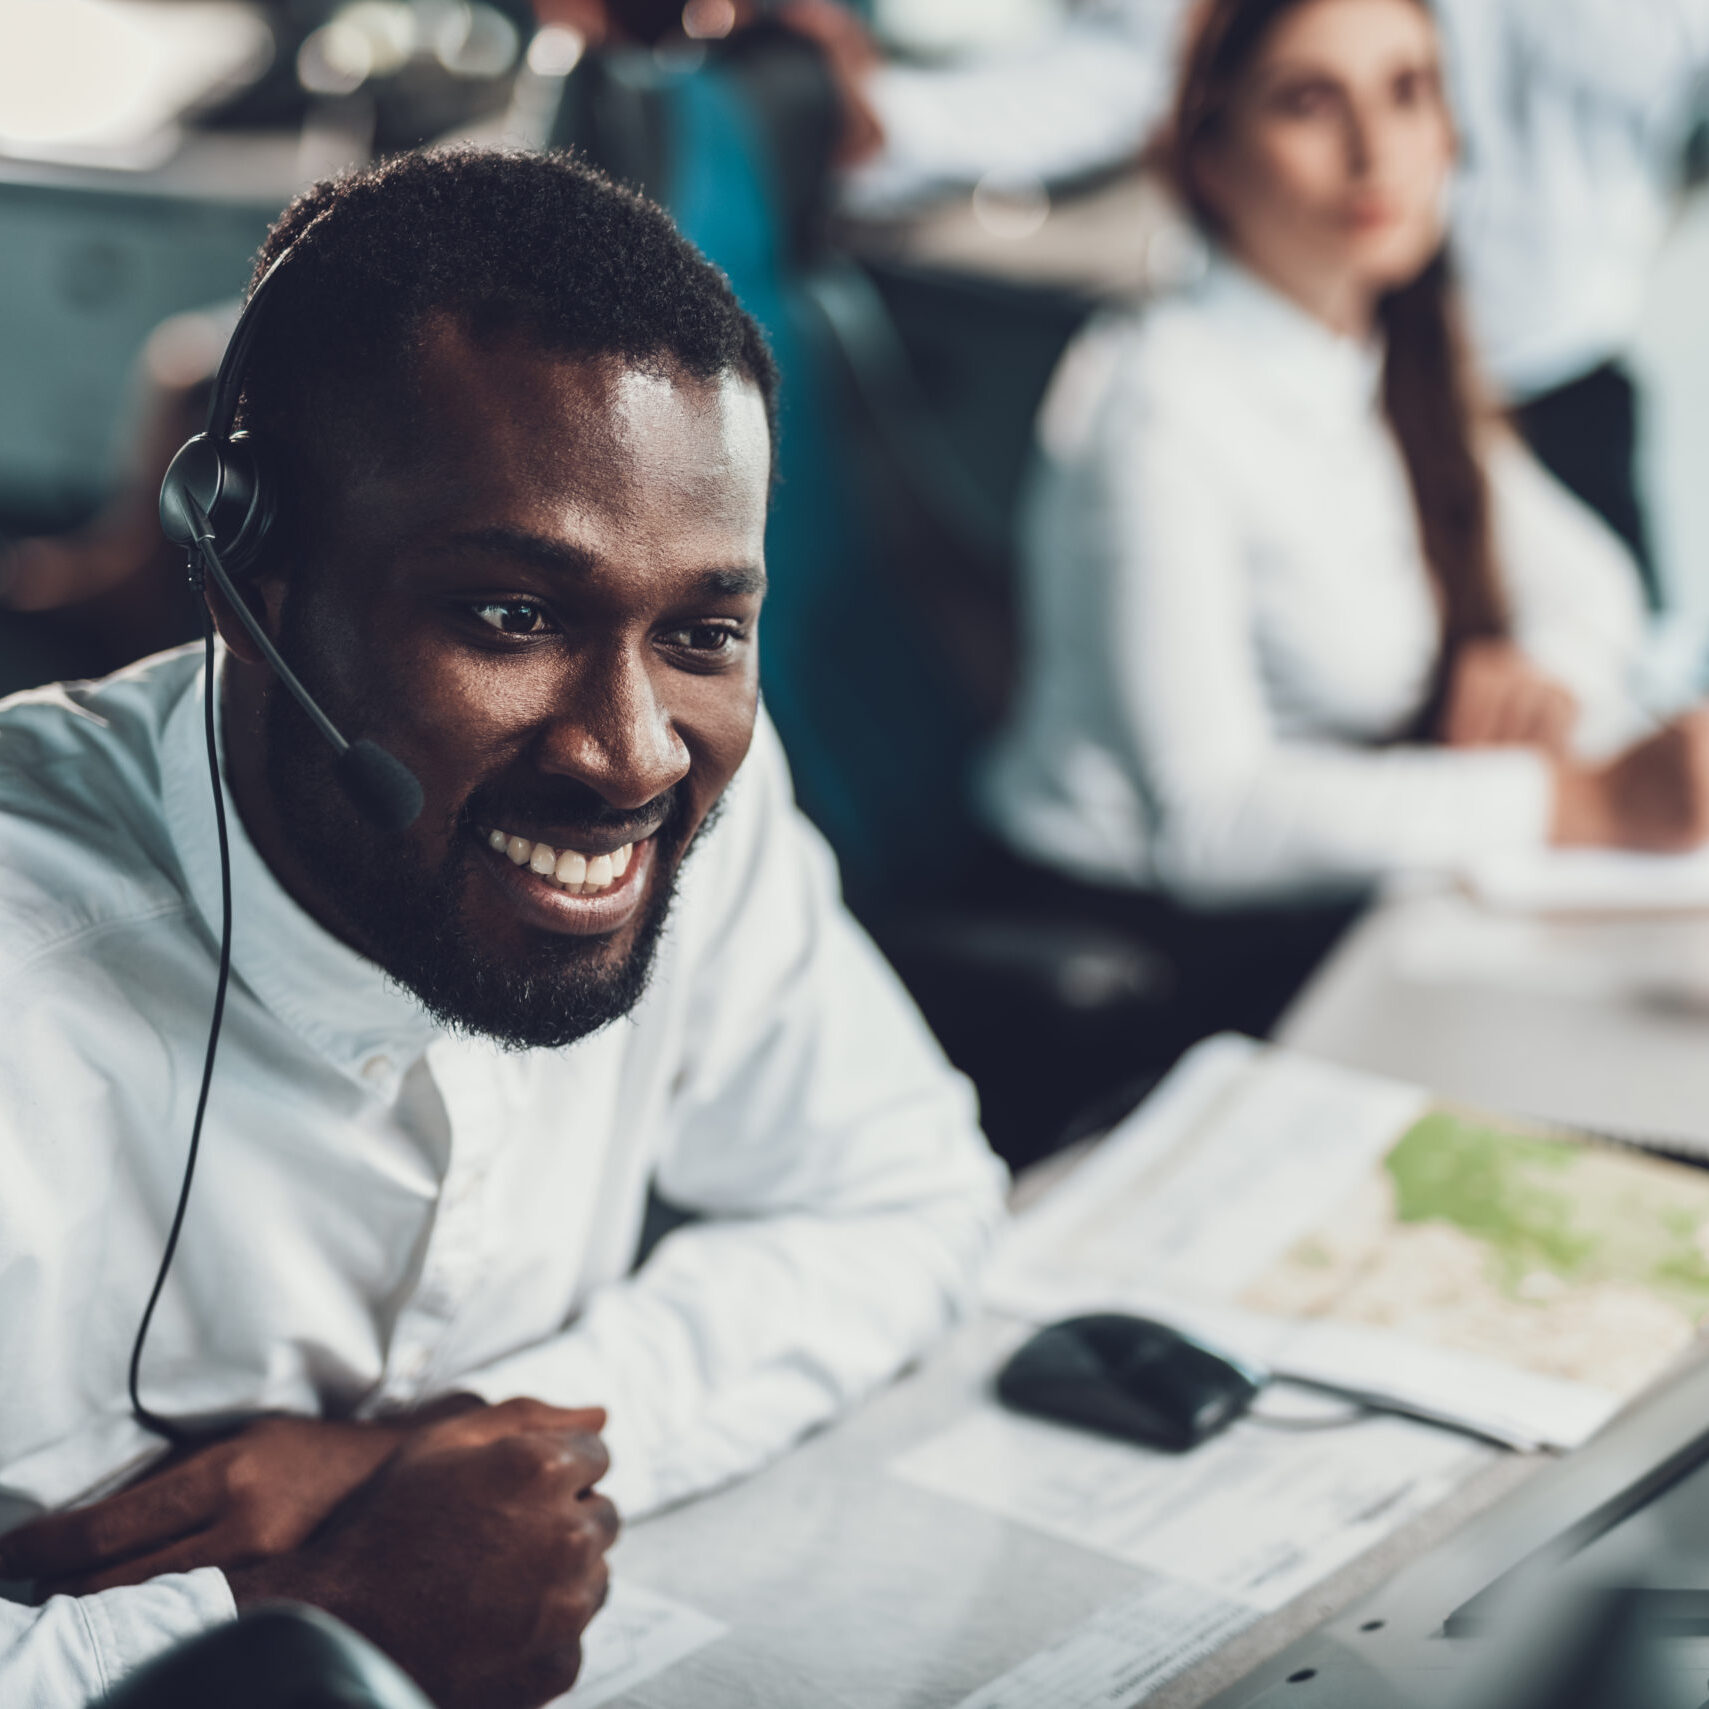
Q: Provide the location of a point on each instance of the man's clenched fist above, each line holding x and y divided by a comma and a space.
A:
475, 1558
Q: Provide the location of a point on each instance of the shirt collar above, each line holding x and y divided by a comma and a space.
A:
341, 1003
1318, 370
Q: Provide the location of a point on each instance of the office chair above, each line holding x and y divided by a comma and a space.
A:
283, 1657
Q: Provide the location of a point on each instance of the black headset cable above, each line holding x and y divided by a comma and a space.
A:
175, 1433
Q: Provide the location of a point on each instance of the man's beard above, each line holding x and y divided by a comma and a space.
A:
411, 916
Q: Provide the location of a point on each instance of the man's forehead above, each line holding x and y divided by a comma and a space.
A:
502, 422
600, 398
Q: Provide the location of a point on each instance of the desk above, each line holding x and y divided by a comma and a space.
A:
1599, 1023
848, 1589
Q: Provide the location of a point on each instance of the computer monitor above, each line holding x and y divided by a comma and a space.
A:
86, 273
1477, 1621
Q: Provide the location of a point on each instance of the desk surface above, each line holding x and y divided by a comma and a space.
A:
848, 1589
844, 1586
1599, 1023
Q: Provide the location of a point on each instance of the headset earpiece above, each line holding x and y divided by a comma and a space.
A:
231, 481
227, 473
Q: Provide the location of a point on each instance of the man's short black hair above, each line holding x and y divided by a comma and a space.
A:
499, 242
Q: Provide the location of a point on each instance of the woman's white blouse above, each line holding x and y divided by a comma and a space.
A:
1231, 630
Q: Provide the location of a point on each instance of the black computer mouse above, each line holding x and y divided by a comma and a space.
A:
1130, 1377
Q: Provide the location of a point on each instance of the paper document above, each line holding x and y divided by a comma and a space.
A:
1591, 881
637, 1634
1340, 1226
1255, 1516
1121, 1654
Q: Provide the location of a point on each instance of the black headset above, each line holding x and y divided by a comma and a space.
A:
220, 501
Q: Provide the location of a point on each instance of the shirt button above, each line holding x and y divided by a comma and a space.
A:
376, 1069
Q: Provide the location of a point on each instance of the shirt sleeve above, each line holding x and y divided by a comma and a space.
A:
1645, 53
1577, 606
1238, 813
846, 1193
74, 1649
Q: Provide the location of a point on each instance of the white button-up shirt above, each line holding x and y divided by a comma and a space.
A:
384, 1212
1231, 628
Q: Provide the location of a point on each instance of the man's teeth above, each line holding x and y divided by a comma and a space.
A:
579, 874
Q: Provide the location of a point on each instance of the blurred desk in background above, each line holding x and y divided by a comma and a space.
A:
1599, 1023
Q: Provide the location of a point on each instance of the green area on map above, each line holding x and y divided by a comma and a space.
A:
1585, 1213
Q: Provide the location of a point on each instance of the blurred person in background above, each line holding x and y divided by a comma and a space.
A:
1302, 611
1576, 114
832, 26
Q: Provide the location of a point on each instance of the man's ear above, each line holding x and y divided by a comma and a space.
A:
264, 597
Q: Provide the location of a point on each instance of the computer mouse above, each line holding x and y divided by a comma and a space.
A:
1130, 1377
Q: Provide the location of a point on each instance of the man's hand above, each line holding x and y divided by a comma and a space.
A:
1498, 698
241, 1499
475, 1558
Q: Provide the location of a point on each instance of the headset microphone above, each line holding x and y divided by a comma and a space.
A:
220, 498
380, 784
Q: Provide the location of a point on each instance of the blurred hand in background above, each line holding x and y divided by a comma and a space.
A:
1498, 698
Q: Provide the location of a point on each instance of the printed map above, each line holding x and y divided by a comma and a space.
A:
1567, 1258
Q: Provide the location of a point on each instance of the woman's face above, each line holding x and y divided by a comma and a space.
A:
1328, 170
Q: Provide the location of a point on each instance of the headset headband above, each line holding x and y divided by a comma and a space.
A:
234, 363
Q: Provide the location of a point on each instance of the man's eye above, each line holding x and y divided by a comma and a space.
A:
514, 617
704, 638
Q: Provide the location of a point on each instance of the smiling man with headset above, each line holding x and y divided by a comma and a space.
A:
520, 923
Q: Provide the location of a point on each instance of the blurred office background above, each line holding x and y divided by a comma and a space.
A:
921, 250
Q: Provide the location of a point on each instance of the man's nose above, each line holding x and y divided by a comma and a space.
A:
615, 734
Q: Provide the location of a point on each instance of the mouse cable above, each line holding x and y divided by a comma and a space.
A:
175, 1433
1422, 1412
1355, 1414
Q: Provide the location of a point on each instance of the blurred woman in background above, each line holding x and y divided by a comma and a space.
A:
1301, 611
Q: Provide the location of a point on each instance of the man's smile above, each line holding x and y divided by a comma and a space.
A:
588, 891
